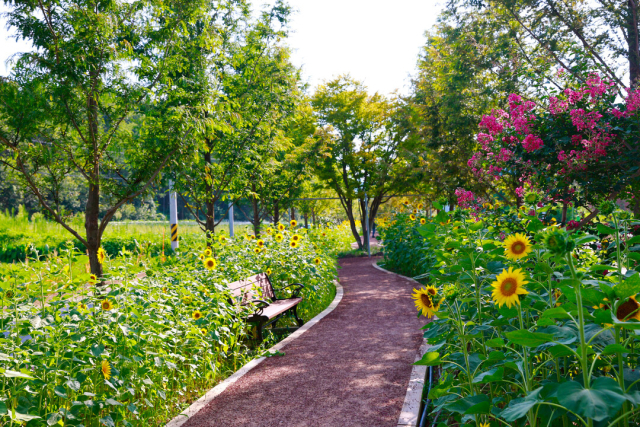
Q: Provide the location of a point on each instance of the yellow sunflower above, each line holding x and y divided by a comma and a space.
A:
257, 250
487, 206
210, 263
201, 257
413, 217
207, 252
280, 227
523, 208
508, 285
420, 206
82, 307
316, 260
203, 331
279, 237
630, 309
517, 246
295, 238
222, 239
106, 305
293, 222
415, 211
102, 255
260, 242
269, 271
485, 425
187, 300
423, 221
424, 302
269, 230
106, 369
93, 278
293, 244
196, 315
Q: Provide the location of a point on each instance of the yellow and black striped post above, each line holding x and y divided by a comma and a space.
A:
173, 217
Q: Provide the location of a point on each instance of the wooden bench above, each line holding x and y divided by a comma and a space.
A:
259, 291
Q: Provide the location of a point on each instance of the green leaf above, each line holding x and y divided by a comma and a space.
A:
437, 205
476, 226
470, 405
614, 349
517, 409
431, 358
60, 391
560, 351
53, 418
603, 400
107, 421
528, 339
492, 375
495, 343
535, 225
15, 374
603, 229
599, 267
628, 288
555, 313
97, 349
586, 239
3, 408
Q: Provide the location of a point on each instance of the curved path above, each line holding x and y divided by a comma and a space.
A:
351, 369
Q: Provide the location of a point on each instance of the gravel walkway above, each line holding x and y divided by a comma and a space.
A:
351, 369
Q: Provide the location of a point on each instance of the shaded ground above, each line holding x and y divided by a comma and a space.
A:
351, 369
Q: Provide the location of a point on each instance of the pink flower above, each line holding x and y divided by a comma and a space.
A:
532, 143
465, 198
556, 106
633, 101
520, 192
573, 95
491, 124
582, 120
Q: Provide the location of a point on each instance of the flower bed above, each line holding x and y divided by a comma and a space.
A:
145, 348
536, 325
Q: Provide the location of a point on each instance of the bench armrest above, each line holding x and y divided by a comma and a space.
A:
296, 291
263, 304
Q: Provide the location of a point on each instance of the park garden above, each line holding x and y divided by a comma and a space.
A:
506, 182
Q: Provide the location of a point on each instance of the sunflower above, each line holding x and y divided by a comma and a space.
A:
106, 305
187, 300
445, 223
630, 309
293, 244
268, 271
507, 287
210, 263
279, 237
223, 239
415, 211
406, 202
316, 260
207, 252
420, 206
203, 331
201, 257
487, 206
432, 291
424, 302
82, 307
269, 230
517, 246
293, 222
485, 425
295, 238
260, 242
413, 217
102, 255
257, 250
106, 369
423, 221
93, 278
280, 227
196, 315
523, 208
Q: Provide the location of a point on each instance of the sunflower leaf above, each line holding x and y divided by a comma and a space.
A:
431, 358
527, 338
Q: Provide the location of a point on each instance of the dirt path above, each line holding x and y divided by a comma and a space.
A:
351, 369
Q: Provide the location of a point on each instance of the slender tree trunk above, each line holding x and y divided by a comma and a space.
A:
256, 213
210, 223
293, 213
313, 216
352, 224
306, 220
92, 227
632, 34
565, 206
276, 213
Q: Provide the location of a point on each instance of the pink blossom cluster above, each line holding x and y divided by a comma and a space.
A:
633, 101
465, 197
532, 143
557, 106
583, 120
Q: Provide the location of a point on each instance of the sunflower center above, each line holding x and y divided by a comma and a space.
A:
518, 248
432, 291
628, 310
426, 300
508, 287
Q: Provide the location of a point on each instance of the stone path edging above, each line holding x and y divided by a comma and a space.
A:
184, 416
411, 408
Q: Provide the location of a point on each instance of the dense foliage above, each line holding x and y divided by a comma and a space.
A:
535, 325
139, 349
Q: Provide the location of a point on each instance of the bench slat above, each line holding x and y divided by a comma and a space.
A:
258, 286
275, 308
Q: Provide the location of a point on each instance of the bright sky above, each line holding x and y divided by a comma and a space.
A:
376, 41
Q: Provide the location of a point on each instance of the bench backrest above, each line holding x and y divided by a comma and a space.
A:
258, 286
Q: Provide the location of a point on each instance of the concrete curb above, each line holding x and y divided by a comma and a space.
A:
184, 416
413, 399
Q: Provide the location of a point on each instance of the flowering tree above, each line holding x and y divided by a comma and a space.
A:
579, 147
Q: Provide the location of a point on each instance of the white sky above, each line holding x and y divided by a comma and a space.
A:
375, 41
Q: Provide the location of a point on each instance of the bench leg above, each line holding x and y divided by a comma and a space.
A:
259, 332
295, 314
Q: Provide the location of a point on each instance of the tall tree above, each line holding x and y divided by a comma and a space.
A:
359, 150
94, 99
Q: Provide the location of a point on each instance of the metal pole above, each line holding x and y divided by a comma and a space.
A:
173, 216
366, 223
231, 233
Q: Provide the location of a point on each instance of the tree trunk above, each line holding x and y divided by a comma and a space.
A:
92, 227
352, 224
313, 216
564, 213
306, 220
632, 41
276, 213
256, 214
210, 223
293, 213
